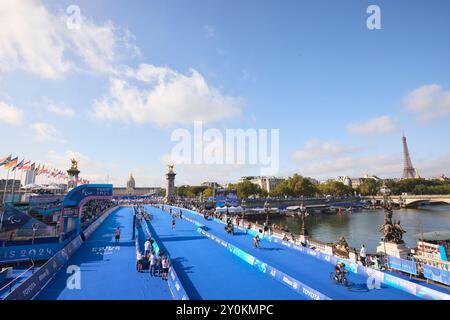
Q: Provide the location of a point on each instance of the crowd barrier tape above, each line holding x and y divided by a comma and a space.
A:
176, 288
263, 267
415, 289
37, 281
407, 266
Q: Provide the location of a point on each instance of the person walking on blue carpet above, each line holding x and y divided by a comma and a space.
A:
117, 235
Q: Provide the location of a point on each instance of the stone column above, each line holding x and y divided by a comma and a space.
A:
170, 189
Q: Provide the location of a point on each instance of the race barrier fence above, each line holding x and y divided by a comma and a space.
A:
35, 283
436, 274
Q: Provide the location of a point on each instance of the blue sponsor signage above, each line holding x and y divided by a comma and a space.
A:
87, 191
435, 274
407, 266
35, 252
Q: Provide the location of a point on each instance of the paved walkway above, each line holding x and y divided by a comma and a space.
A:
108, 272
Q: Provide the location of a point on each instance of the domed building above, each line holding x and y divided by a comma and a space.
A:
131, 190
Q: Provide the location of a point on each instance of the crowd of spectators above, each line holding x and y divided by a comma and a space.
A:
93, 209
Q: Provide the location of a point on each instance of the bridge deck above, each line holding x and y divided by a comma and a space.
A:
206, 270
304, 268
107, 272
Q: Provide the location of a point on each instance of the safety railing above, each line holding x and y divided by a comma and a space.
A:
11, 283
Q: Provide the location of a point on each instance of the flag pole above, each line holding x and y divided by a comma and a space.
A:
4, 207
4, 191
13, 185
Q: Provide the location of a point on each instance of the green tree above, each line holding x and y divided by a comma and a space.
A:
369, 187
335, 188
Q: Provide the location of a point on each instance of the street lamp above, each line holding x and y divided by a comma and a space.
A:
266, 209
35, 228
243, 205
302, 209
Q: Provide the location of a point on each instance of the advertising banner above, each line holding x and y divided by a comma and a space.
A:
35, 252
407, 266
30, 287
76, 196
435, 274
224, 195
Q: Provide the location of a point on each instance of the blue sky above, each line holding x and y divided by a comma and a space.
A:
339, 93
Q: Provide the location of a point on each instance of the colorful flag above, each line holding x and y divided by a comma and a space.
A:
10, 164
26, 166
5, 160
37, 169
18, 165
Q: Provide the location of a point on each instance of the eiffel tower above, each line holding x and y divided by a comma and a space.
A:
409, 172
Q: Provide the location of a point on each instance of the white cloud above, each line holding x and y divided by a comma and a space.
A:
383, 165
46, 132
34, 40
167, 97
61, 109
94, 171
316, 149
428, 102
380, 125
10, 114
210, 32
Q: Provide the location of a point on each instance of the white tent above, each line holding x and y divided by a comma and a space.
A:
32, 186
230, 209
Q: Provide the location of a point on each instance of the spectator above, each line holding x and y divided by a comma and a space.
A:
147, 246
362, 255
117, 235
139, 261
165, 267
153, 264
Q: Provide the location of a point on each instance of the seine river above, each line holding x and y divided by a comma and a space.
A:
362, 226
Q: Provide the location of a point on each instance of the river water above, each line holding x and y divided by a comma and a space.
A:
361, 227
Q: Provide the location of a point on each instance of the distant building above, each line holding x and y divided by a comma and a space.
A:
345, 180
30, 177
210, 184
266, 183
442, 178
132, 190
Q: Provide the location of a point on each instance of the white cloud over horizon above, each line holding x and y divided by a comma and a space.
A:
164, 96
46, 132
316, 149
428, 102
10, 114
36, 41
375, 126
61, 110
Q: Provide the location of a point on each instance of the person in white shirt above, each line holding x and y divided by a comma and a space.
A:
139, 261
147, 247
165, 268
362, 255
153, 260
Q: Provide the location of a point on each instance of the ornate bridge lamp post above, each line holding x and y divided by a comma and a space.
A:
266, 210
35, 229
243, 205
302, 209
